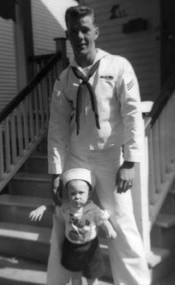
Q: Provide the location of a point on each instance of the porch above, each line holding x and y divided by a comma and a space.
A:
24, 183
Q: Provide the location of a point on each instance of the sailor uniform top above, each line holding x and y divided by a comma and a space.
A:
119, 112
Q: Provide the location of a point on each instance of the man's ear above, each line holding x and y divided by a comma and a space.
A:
67, 34
97, 32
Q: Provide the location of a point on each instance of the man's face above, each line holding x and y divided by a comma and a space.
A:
82, 34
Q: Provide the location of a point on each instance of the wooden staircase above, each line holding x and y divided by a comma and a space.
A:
25, 184
24, 245
22, 240
163, 236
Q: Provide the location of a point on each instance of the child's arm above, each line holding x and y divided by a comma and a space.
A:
103, 221
108, 229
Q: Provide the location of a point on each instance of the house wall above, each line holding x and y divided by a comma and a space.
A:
48, 23
142, 48
7, 62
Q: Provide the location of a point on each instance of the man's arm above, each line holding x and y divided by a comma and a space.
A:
58, 131
56, 189
133, 127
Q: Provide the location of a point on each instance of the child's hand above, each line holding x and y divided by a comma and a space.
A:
111, 233
109, 230
37, 214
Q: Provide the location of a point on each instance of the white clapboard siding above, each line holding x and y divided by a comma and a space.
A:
141, 48
48, 23
8, 87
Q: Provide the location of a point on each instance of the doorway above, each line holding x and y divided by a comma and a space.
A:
167, 39
24, 42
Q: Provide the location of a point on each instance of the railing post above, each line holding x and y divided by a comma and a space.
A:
140, 190
140, 196
61, 47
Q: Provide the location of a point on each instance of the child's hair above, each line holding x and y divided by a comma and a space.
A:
76, 12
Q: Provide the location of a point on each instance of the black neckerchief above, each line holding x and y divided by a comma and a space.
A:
85, 82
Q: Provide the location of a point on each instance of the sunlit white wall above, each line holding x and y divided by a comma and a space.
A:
48, 23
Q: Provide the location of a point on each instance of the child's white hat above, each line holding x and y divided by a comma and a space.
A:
78, 173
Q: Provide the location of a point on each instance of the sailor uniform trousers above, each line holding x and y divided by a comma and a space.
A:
126, 252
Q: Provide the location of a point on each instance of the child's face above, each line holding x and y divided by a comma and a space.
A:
78, 192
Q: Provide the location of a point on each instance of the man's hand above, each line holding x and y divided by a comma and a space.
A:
125, 176
56, 189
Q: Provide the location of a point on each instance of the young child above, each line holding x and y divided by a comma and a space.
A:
81, 253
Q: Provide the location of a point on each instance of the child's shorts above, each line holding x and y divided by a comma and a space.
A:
86, 258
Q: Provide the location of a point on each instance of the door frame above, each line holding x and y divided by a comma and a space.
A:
167, 36
23, 42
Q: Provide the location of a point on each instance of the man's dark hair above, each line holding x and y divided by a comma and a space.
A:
76, 12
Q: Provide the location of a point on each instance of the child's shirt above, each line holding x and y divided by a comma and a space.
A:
81, 224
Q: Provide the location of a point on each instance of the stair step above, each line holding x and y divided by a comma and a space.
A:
161, 263
31, 184
26, 232
165, 220
168, 206
169, 280
23, 201
163, 232
157, 255
15, 271
16, 209
32, 176
172, 191
24, 241
32, 234
33, 243
36, 163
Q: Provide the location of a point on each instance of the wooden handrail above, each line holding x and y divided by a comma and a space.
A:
39, 58
24, 92
24, 121
163, 99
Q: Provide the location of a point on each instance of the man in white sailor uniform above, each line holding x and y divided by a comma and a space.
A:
95, 123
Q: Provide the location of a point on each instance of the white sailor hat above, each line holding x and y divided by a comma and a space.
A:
78, 173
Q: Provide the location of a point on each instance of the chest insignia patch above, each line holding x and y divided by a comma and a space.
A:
108, 77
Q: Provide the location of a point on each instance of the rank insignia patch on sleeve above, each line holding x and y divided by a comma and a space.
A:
130, 84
